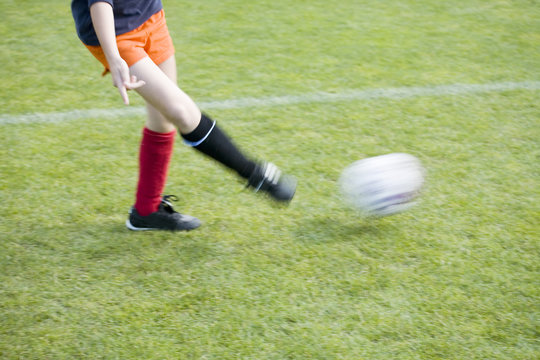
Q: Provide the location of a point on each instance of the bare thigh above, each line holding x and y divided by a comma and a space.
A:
155, 121
166, 103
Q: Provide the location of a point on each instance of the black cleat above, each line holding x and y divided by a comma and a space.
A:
163, 219
268, 178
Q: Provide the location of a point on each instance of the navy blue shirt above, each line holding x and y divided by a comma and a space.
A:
128, 15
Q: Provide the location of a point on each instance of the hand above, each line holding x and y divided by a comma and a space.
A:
122, 80
103, 20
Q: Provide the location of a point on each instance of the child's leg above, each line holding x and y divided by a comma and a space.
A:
164, 95
203, 134
199, 130
155, 120
154, 157
155, 153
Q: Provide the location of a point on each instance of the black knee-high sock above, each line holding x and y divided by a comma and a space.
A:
209, 139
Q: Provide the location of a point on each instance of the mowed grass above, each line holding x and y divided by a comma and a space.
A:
457, 277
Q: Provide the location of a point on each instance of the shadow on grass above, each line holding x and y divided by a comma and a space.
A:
110, 241
324, 229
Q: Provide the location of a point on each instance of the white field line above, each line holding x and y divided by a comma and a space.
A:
308, 98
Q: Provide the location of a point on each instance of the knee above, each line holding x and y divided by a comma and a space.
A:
184, 117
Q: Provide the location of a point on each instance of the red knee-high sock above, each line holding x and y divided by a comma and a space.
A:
154, 157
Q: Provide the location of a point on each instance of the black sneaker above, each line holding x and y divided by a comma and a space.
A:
268, 178
163, 219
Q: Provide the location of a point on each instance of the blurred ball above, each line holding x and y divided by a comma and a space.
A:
382, 185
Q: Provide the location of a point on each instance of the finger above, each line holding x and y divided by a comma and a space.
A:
123, 93
135, 85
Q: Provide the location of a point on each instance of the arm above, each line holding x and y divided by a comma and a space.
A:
103, 20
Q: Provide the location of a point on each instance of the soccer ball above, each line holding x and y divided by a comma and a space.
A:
382, 185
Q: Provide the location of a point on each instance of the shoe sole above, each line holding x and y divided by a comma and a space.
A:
134, 228
130, 226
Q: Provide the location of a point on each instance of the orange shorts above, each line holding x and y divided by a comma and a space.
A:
151, 39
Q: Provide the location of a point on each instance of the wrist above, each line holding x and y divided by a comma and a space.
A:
114, 59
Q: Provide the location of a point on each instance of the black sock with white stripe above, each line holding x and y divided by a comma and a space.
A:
209, 139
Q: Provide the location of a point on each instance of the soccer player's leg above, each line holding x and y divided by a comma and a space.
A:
165, 96
202, 133
152, 211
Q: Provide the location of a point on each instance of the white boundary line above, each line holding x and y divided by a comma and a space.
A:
308, 98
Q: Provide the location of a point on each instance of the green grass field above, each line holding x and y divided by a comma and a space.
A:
457, 277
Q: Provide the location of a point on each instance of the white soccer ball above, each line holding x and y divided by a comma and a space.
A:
383, 185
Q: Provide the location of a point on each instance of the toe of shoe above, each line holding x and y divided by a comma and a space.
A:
187, 222
285, 189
